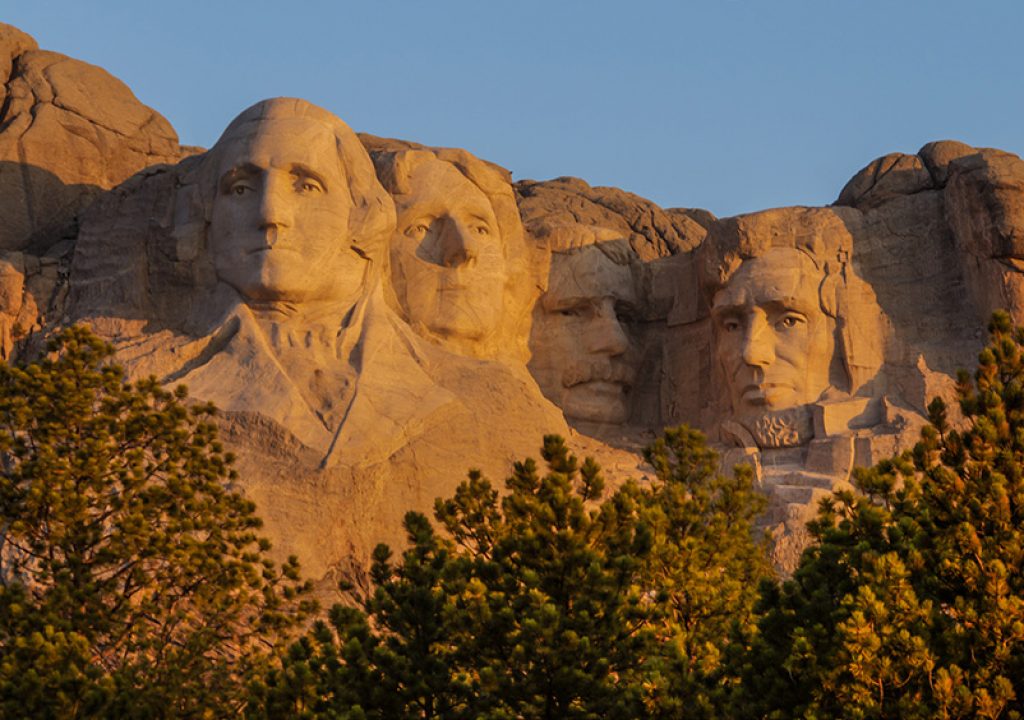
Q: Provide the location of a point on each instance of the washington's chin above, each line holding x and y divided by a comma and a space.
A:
597, 401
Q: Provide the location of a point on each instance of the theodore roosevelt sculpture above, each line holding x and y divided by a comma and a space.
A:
584, 354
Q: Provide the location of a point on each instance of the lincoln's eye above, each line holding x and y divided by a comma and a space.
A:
240, 188
789, 321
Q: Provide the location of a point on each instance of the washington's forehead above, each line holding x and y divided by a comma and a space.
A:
282, 142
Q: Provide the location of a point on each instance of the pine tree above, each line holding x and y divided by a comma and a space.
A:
551, 601
912, 603
132, 579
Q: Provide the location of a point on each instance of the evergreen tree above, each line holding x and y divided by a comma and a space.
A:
912, 603
132, 580
547, 602
706, 568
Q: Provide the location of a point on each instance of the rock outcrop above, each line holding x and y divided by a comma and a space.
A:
68, 132
375, 316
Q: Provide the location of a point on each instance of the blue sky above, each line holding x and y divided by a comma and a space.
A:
730, 105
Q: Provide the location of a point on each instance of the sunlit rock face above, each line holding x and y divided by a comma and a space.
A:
374, 316
343, 418
69, 131
583, 343
464, 274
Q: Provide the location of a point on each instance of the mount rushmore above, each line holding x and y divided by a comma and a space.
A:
374, 317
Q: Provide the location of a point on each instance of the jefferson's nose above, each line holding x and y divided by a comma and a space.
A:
275, 204
759, 342
605, 334
459, 246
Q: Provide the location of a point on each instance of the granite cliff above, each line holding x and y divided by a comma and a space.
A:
374, 316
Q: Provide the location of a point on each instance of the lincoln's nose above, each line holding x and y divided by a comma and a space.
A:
759, 342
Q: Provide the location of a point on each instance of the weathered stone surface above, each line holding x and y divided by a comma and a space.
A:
68, 131
585, 353
375, 316
938, 155
984, 200
464, 273
651, 231
886, 178
253, 274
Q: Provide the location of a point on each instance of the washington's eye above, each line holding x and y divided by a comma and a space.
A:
481, 230
308, 185
789, 321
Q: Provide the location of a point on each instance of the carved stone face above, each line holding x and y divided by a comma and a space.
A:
279, 228
447, 254
773, 339
583, 356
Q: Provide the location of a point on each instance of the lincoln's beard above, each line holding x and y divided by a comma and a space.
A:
790, 427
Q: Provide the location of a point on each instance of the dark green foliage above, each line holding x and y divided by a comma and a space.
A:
547, 602
132, 580
912, 605
706, 569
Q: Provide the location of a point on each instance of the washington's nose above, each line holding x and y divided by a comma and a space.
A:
275, 208
459, 245
606, 335
759, 343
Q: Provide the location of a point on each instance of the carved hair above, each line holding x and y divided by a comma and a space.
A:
395, 168
823, 236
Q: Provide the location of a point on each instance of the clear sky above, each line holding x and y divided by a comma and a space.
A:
730, 105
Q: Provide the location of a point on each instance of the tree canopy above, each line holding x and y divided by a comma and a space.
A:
133, 582
911, 604
550, 601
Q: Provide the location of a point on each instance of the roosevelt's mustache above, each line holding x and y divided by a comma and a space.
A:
599, 371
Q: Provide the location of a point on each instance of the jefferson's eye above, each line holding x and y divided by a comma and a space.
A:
731, 325
417, 231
